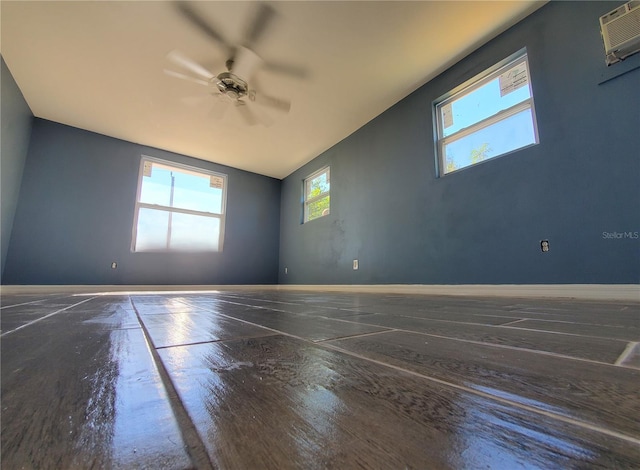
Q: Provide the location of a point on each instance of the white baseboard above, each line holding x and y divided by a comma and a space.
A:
623, 292
138, 289
620, 292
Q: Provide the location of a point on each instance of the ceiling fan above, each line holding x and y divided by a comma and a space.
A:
236, 85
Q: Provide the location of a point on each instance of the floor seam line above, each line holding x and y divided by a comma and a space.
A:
516, 321
575, 422
24, 303
187, 344
503, 346
513, 348
194, 445
566, 322
44, 317
419, 318
359, 335
496, 326
283, 332
558, 332
532, 409
210, 341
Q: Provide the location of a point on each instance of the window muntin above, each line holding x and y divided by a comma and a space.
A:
317, 197
493, 114
178, 208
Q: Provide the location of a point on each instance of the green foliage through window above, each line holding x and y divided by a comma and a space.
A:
317, 199
475, 156
490, 115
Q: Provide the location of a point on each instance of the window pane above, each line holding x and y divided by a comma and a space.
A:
179, 188
480, 104
491, 117
318, 208
504, 136
194, 232
195, 193
188, 232
151, 232
156, 189
317, 185
189, 189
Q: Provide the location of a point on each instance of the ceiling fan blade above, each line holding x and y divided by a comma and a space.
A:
248, 116
186, 9
219, 107
264, 118
271, 101
290, 70
182, 76
193, 101
246, 63
182, 60
263, 17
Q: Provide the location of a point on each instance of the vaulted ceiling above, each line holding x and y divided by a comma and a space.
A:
99, 66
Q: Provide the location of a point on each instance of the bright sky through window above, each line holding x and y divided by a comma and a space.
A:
178, 208
491, 116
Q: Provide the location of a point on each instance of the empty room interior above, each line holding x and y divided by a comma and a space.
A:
320, 234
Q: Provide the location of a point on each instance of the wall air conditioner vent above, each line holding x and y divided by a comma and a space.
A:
620, 30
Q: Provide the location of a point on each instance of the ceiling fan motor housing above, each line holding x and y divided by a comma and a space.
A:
231, 86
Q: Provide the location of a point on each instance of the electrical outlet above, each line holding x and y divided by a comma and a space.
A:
114, 265
286, 270
544, 245
355, 264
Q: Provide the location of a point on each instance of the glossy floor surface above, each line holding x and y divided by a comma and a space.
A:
276, 380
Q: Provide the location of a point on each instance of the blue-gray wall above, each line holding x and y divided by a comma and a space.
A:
484, 224
480, 225
16, 120
75, 216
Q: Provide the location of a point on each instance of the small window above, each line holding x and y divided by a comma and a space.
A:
490, 115
316, 194
178, 208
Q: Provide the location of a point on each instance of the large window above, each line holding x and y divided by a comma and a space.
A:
178, 208
317, 194
490, 115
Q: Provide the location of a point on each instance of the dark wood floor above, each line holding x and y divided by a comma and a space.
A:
273, 379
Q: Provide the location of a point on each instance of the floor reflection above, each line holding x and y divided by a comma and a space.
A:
81, 389
495, 436
99, 403
144, 428
278, 402
58, 395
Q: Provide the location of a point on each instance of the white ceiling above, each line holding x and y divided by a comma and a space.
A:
99, 66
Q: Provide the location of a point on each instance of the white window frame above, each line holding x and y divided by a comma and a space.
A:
184, 168
468, 87
307, 202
